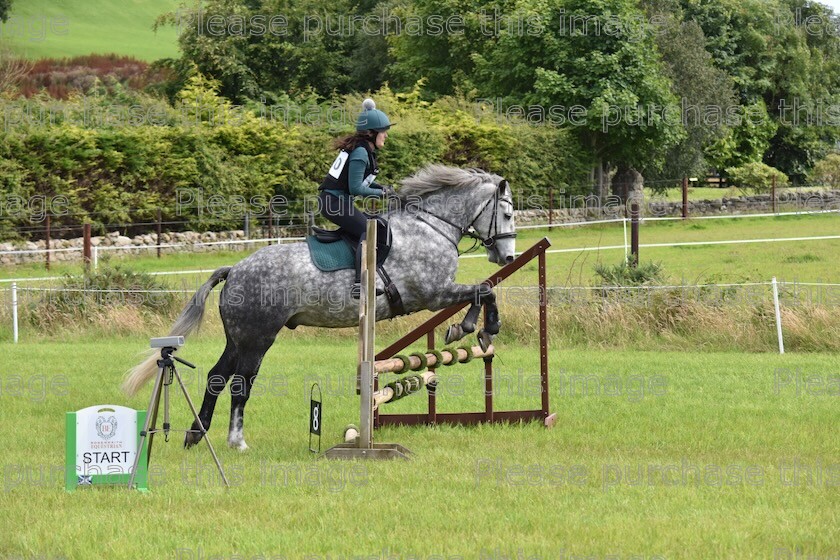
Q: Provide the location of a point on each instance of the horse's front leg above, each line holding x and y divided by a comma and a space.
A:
478, 295
492, 323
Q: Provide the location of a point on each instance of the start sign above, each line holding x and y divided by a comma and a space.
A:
102, 444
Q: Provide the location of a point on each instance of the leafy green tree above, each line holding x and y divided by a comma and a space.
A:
770, 54
5, 8
611, 75
700, 86
261, 48
747, 141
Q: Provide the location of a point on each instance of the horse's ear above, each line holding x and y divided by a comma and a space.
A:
504, 186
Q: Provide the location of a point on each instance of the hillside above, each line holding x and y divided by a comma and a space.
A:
62, 28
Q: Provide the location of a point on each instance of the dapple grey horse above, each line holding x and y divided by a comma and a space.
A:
279, 286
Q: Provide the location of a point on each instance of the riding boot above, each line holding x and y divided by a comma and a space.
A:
356, 288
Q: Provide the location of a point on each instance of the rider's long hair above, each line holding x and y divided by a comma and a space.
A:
350, 142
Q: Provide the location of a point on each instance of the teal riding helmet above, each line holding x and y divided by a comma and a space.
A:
372, 118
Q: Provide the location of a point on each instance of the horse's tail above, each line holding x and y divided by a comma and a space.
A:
186, 323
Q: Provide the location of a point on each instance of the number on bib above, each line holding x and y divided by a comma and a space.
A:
338, 164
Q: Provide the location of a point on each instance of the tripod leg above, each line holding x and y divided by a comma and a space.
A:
151, 418
201, 427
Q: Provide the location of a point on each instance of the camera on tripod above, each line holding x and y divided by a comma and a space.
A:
167, 373
167, 342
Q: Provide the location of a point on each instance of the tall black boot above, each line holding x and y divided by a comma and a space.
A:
356, 288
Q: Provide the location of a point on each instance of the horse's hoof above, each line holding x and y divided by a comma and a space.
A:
485, 339
238, 444
453, 333
191, 438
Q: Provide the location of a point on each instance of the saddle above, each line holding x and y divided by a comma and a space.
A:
335, 249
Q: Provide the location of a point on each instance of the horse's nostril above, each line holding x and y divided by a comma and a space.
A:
509, 259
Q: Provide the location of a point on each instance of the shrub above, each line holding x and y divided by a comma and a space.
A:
827, 171
623, 274
756, 176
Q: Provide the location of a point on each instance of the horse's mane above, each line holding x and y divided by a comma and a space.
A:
435, 176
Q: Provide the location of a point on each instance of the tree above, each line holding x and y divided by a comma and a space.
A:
287, 48
703, 90
601, 67
771, 56
5, 8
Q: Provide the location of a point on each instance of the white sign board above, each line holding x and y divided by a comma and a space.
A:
106, 440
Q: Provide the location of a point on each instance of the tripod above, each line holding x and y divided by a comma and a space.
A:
166, 373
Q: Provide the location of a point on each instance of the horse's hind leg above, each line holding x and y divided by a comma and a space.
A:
247, 367
217, 378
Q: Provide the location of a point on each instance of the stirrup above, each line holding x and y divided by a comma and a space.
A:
356, 291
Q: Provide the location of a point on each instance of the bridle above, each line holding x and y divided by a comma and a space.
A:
469, 231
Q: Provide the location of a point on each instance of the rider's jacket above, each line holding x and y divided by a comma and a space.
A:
353, 173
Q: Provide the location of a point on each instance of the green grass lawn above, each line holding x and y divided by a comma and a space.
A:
803, 261
65, 28
672, 455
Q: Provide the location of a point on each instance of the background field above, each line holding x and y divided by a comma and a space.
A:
93, 26
718, 410
797, 260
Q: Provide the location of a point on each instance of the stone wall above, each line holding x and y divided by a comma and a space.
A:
788, 201
190, 241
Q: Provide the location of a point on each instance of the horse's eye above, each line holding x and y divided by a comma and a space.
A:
508, 215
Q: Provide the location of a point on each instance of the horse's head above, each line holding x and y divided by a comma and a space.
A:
470, 201
494, 224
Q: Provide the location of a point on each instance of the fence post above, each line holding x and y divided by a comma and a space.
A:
158, 228
86, 245
685, 197
778, 316
624, 224
95, 256
773, 193
634, 233
14, 312
550, 207
47, 242
248, 225
270, 223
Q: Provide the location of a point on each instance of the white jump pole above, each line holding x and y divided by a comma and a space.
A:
778, 316
14, 312
624, 223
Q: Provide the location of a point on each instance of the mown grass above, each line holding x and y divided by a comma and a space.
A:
472, 492
50, 29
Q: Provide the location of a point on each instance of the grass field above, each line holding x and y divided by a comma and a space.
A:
680, 455
803, 261
66, 28
692, 454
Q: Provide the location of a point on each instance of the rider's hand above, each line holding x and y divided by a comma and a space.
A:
388, 191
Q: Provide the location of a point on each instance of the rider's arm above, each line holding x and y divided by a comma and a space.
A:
356, 175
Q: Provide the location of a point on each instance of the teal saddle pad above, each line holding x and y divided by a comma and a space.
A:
331, 256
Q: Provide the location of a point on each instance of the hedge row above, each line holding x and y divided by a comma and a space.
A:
78, 163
